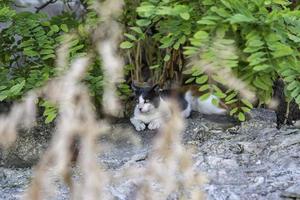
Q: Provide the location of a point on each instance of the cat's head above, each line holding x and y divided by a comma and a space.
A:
147, 98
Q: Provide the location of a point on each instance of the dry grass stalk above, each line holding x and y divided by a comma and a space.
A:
22, 115
62, 54
76, 119
109, 34
219, 68
170, 164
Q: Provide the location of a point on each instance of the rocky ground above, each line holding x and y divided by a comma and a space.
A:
253, 160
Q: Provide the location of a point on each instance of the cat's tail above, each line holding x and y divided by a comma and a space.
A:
189, 98
205, 106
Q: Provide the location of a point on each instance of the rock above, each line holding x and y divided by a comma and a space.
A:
13, 182
214, 161
258, 181
28, 148
256, 161
292, 192
262, 115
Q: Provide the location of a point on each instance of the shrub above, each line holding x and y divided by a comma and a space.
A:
27, 54
257, 40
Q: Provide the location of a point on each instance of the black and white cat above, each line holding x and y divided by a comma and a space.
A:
151, 106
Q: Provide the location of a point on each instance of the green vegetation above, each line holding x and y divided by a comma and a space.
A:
258, 40
264, 34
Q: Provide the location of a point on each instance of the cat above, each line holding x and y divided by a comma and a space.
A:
151, 101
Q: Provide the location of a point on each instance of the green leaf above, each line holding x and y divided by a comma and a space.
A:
246, 109
126, 45
74, 42
46, 51
46, 57
215, 102
27, 43
234, 110
154, 67
202, 79
260, 84
226, 4
292, 85
252, 49
182, 39
3, 96
143, 22
2, 87
166, 41
16, 89
257, 58
185, 16
167, 58
204, 97
282, 2
204, 87
217, 89
60, 38
137, 30
208, 2
54, 28
295, 92
240, 18
64, 28
131, 37
220, 11
190, 50
241, 116
197, 72
190, 80
231, 96
247, 103
30, 52
76, 48
50, 118
50, 33
206, 22
231, 101
202, 35
280, 50
289, 78
176, 45
255, 43
220, 94
261, 67
288, 72
294, 38
45, 23
298, 100
145, 9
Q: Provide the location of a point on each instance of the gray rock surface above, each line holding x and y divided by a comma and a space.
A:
253, 160
28, 148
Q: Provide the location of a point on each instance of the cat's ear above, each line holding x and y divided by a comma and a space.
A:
135, 88
155, 88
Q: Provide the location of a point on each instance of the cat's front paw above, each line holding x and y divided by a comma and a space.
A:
154, 125
138, 125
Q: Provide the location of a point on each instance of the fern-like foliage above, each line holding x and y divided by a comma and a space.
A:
28, 44
256, 40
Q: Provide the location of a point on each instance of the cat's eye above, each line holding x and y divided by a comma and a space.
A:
147, 101
136, 100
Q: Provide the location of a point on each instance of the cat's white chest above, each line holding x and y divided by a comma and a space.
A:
152, 119
146, 117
